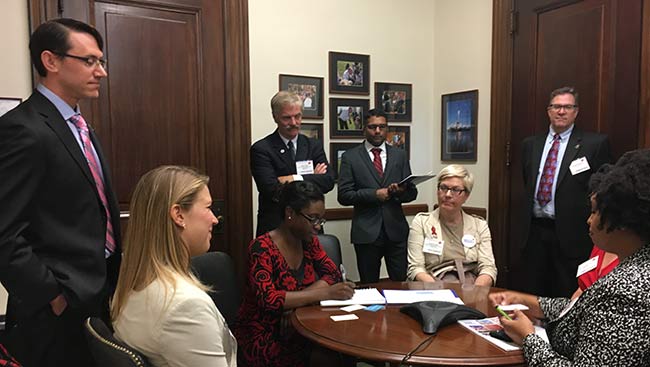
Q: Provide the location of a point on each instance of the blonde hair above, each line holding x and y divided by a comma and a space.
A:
284, 98
152, 247
456, 170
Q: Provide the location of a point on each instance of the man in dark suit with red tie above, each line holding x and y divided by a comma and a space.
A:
368, 180
59, 231
557, 166
284, 156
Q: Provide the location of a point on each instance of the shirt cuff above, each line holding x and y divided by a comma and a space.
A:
298, 178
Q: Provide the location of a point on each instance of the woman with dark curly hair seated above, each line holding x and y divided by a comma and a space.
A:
609, 323
287, 268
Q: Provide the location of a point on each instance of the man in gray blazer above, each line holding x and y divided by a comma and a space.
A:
368, 179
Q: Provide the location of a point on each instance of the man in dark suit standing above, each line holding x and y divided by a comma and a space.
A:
557, 166
368, 179
59, 231
285, 156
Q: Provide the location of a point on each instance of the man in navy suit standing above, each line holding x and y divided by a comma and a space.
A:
557, 166
59, 231
284, 156
368, 180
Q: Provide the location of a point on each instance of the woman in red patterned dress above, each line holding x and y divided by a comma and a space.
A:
287, 268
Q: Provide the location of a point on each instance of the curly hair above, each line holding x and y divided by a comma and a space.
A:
622, 193
297, 195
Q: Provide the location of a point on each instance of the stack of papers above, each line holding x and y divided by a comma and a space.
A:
483, 327
367, 296
417, 179
410, 296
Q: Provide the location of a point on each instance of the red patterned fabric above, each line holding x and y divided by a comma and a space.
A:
377, 161
6, 359
263, 331
590, 277
548, 175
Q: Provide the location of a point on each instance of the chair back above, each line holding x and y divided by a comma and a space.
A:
106, 350
332, 248
216, 269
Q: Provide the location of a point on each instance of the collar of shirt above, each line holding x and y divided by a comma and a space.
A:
64, 109
369, 146
563, 136
286, 141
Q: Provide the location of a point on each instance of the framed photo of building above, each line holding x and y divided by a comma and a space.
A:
349, 73
336, 152
459, 126
399, 137
347, 116
312, 130
310, 90
395, 99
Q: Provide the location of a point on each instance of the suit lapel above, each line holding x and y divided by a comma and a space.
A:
390, 161
365, 158
281, 150
303, 148
53, 119
538, 149
570, 153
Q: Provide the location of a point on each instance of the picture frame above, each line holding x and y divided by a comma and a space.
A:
336, 152
459, 126
312, 130
347, 116
8, 103
395, 99
310, 90
349, 73
399, 137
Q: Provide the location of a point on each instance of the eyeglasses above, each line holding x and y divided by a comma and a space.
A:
314, 221
454, 190
558, 107
374, 127
90, 61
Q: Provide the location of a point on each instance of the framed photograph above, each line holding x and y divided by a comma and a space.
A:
395, 100
347, 116
399, 137
8, 103
312, 130
310, 90
459, 126
349, 73
336, 152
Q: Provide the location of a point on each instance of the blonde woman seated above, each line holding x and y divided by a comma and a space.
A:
439, 238
159, 307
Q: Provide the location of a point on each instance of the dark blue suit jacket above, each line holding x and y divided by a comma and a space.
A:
271, 159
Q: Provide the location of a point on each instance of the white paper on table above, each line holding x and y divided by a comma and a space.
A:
347, 317
410, 296
365, 296
352, 308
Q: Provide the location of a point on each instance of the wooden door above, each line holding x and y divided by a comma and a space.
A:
176, 93
593, 45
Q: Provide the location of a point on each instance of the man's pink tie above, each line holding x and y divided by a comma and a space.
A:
82, 127
548, 175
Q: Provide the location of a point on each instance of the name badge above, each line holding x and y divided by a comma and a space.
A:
579, 165
468, 241
433, 246
587, 266
305, 167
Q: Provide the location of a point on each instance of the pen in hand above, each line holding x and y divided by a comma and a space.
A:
343, 273
499, 310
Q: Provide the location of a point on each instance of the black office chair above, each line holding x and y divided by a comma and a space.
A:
106, 350
332, 248
217, 270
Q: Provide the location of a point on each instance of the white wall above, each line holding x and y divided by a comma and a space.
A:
15, 77
437, 46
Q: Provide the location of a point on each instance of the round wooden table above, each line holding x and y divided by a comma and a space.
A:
388, 335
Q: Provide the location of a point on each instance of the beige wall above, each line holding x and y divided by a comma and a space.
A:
438, 46
14, 63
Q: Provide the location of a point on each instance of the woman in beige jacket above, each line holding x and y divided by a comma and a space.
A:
441, 240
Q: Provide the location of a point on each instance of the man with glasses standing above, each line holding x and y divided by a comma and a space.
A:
557, 166
59, 233
368, 180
